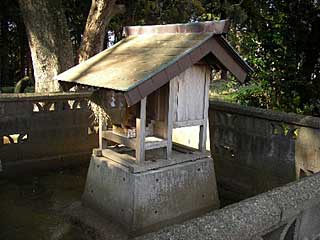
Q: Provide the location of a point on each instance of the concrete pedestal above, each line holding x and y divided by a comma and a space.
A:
147, 200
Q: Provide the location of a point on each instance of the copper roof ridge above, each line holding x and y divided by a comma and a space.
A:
216, 27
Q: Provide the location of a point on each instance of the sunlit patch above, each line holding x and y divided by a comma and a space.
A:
24, 138
37, 107
15, 138
6, 140
43, 107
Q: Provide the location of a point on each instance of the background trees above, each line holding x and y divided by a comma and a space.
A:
278, 38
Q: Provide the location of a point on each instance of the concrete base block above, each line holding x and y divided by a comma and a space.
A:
146, 201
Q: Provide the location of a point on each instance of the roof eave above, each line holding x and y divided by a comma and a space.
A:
236, 55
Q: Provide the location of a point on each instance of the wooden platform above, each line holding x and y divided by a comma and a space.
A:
127, 160
151, 142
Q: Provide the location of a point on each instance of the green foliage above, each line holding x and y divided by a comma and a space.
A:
7, 90
76, 13
166, 11
13, 43
149, 12
280, 40
253, 94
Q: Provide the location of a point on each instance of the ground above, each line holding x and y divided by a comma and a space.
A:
48, 207
32, 207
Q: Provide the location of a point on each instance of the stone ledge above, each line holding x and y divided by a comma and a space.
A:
13, 97
243, 219
250, 218
290, 118
296, 197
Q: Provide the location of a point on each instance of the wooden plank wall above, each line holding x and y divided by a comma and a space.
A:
191, 100
190, 92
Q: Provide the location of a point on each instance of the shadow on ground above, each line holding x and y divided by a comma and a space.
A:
33, 207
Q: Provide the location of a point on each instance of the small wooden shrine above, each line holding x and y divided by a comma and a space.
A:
155, 80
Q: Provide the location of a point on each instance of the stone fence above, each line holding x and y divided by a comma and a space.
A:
255, 150
291, 212
44, 131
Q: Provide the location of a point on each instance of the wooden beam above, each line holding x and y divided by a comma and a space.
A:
102, 142
226, 59
203, 128
189, 123
141, 131
150, 142
129, 142
100, 133
154, 143
171, 97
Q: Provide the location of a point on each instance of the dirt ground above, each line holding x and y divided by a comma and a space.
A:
32, 207
48, 207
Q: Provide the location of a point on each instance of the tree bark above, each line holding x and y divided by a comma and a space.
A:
101, 12
49, 41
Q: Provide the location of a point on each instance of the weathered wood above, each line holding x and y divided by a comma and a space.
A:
102, 142
202, 137
129, 142
100, 132
203, 128
186, 149
128, 161
160, 129
189, 123
122, 158
154, 143
171, 100
140, 130
97, 152
189, 86
226, 59
158, 109
150, 142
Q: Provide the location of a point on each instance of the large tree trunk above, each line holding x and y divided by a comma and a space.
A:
49, 41
101, 12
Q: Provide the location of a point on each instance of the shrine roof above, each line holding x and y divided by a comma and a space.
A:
150, 56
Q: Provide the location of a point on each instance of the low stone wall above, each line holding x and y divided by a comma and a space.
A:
290, 212
44, 131
255, 150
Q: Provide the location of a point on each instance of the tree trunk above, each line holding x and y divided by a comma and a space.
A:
49, 41
101, 12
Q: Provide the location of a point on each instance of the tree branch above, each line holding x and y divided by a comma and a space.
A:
100, 14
